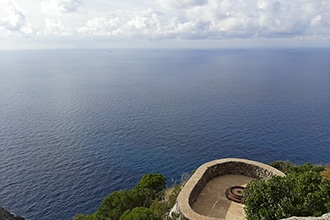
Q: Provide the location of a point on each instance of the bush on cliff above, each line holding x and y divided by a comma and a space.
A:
139, 213
302, 192
326, 173
284, 166
149, 188
117, 203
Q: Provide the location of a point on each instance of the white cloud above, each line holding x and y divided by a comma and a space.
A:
55, 27
60, 7
100, 26
213, 18
170, 19
147, 23
180, 3
216, 19
14, 19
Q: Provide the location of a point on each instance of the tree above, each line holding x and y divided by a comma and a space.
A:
149, 188
303, 192
283, 166
156, 183
116, 204
139, 213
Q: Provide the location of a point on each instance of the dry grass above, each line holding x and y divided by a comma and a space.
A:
326, 173
168, 192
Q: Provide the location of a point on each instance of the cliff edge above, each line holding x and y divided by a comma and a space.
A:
5, 215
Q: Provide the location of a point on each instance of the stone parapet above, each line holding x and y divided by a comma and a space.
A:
213, 169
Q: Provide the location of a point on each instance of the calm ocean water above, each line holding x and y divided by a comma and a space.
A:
76, 125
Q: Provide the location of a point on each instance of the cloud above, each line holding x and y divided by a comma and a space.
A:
217, 19
180, 3
14, 19
100, 26
147, 23
60, 7
54, 27
257, 18
173, 19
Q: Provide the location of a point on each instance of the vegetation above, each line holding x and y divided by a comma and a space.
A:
139, 213
326, 173
284, 166
302, 192
147, 200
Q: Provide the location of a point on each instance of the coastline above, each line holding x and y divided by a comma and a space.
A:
6, 215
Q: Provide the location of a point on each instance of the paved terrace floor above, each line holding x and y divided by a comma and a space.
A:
212, 201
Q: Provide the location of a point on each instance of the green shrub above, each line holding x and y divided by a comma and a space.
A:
160, 208
149, 188
174, 195
156, 183
303, 192
283, 166
84, 217
139, 213
307, 167
116, 204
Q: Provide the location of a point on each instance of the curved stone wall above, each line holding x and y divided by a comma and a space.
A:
217, 168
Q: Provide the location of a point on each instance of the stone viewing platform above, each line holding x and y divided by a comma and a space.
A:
204, 196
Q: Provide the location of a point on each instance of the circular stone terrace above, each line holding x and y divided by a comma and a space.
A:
215, 189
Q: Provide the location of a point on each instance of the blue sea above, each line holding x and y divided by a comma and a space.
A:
76, 125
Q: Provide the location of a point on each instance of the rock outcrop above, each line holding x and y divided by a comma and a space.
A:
323, 217
5, 215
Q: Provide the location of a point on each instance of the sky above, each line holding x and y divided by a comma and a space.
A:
42, 24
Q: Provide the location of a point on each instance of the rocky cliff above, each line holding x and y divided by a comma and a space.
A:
323, 217
5, 215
